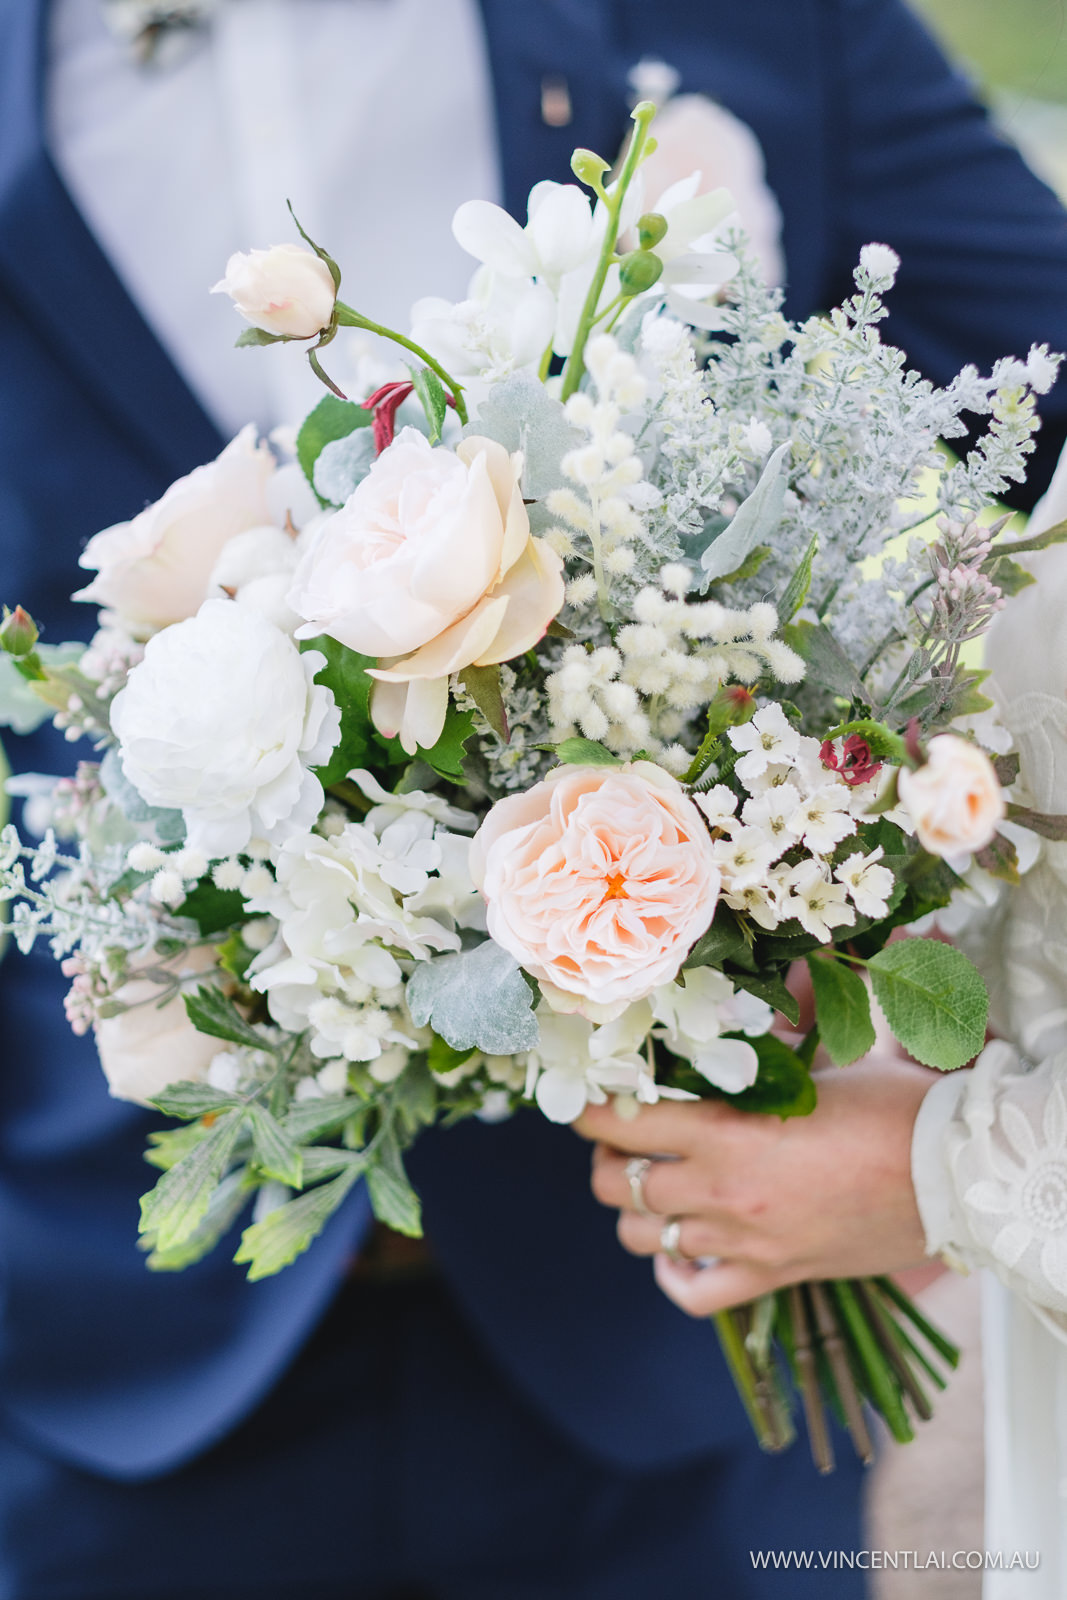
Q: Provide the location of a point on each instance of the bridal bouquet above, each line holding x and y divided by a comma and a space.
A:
515, 740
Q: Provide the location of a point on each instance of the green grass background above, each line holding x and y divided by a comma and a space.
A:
1017, 45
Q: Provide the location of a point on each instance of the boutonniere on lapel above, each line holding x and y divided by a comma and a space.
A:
157, 32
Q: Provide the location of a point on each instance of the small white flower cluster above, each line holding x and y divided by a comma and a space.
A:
795, 801
604, 510
352, 902
577, 1062
644, 690
173, 872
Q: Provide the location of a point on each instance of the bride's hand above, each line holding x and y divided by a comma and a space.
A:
824, 1196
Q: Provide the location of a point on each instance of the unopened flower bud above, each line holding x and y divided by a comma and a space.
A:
286, 290
651, 229
589, 168
639, 271
18, 632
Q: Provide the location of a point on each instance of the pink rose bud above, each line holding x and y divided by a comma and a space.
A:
18, 633
955, 800
285, 290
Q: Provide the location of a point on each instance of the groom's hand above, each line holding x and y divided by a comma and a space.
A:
770, 1202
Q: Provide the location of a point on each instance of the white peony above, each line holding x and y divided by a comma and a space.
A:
155, 570
223, 721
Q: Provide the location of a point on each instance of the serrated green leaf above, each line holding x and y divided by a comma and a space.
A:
769, 987
174, 1209
483, 686
843, 1010
934, 1001
275, 1153
212, 908
225, 1206
331, 419
187, 1100
309, 1120
431, 394
394, 1200
724, 941
285, 1233
210, 1012
579, 752
796, 590
168, 1146
345, 675
446, 756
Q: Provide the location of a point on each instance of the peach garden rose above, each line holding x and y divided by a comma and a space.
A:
429, 567
955, 800
598, 880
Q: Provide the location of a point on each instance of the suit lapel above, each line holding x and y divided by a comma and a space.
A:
63, 284
562, 43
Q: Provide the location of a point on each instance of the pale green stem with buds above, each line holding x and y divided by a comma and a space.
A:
347, 318
635, 154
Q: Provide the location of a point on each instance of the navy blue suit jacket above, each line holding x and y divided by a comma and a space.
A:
867, 134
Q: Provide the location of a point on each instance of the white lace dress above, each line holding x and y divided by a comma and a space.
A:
989, 1155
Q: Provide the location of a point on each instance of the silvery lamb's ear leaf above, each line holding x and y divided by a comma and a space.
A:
754, 522
168, 825
476, 1000
342, 464
520, 415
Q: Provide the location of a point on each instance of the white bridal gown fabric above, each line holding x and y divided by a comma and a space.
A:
989, 1156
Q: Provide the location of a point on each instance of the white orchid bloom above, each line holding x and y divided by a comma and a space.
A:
694, 264
559, 236
505, 324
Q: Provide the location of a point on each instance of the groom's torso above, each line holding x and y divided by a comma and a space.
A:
94, 422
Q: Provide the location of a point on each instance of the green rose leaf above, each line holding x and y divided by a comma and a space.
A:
843, 1009
934, 1001
210, 1012
345, 675
331, 419
446, 756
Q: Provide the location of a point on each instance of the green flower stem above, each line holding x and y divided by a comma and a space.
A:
904, 1303
572, 373
347, 318
744, 1375
883, 1382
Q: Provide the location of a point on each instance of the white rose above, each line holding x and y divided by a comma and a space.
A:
955, 800
286, 289
256, 569
430, 567
155, 569
223, 721
144, 1050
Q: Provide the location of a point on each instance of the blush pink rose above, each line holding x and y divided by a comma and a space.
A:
955, 801
598, 880
430, 567
286, 290
156, 569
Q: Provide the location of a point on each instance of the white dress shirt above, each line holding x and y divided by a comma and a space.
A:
373, 116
